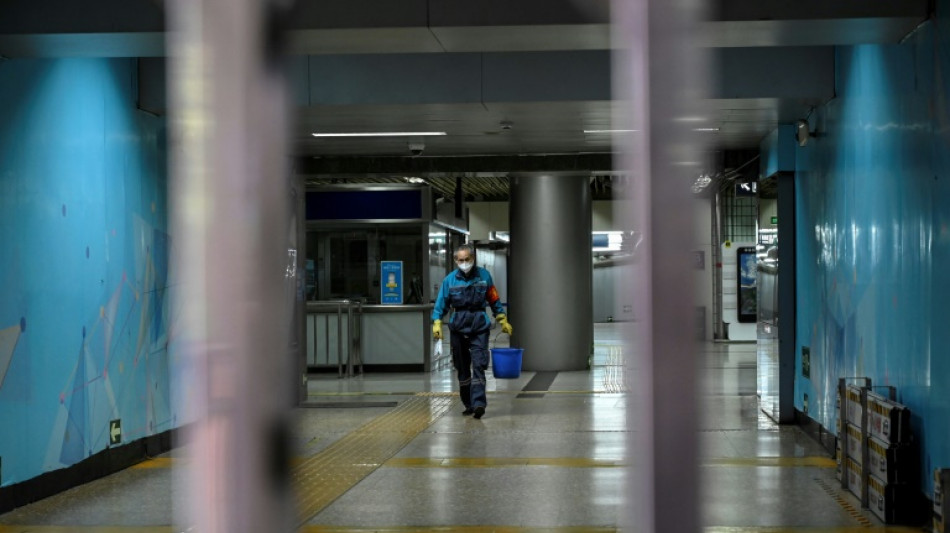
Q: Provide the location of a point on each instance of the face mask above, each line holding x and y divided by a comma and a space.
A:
465, 267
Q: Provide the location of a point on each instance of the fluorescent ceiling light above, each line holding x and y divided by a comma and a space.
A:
382, 134
705, 129
503, 236
609, 131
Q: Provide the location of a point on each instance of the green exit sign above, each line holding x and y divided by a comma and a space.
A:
774, 220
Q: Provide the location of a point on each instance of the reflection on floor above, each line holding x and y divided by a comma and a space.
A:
550, 461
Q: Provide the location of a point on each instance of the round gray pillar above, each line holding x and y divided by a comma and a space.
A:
550, 270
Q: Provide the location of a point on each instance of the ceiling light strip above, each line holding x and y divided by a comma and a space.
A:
383, 134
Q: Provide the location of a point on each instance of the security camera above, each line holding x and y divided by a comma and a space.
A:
417, 147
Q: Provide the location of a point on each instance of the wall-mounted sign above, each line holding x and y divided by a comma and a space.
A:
774, 220
746, 189
390, 286
806, 362
115, 432
699, 260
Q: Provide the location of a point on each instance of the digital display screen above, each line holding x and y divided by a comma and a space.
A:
747, 297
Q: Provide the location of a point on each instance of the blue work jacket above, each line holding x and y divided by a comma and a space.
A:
468, 295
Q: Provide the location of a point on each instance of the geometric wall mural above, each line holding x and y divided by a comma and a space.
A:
84, 317
8, 339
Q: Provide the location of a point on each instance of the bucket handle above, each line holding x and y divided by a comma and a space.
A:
495, 340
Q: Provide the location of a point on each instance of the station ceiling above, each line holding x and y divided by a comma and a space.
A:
503, 79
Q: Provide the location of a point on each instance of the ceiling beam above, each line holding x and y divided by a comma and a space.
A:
746, 10
799, 73
465, 165
805, 73
135, 28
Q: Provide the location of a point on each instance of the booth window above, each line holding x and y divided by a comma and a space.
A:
344, 263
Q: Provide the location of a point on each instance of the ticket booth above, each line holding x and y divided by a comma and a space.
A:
374, 258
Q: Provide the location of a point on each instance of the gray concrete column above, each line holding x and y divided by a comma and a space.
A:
550, 269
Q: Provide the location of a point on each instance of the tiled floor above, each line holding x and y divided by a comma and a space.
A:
546, 463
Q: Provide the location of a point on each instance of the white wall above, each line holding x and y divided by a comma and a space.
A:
605, 215
496, 262
485, 217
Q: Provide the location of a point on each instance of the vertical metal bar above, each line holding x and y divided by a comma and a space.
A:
427, 345
301, 307
339, 339
426, 324
228, 133
359, 334
659, 79
349, 339
311, 325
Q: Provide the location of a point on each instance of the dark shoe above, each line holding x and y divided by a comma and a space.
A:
468, 411
479, 411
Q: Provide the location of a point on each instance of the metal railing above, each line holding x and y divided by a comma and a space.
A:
353, 310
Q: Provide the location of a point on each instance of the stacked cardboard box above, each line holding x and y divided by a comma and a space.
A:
891, 463
852, 437
941, 499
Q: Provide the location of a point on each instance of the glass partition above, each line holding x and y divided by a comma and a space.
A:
442, 245
439, 258
343, 262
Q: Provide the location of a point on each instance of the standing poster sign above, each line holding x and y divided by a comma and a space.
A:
391, 286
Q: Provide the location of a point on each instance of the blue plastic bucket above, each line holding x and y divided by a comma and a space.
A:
506, 362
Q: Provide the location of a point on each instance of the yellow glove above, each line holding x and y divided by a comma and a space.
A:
505, 326
437, 330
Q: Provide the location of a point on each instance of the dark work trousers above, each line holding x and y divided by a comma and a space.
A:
470, 357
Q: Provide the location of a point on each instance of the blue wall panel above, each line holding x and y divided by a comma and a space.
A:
83, 318
873, 223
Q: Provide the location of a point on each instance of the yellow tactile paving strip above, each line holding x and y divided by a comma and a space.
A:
321, 479
157, 462
816, 462
499, 462
845, 504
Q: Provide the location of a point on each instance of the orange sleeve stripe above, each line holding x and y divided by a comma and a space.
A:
492, 295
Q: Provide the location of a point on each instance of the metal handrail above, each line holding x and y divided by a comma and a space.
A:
353, 330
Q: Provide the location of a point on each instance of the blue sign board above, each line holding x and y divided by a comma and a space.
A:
391, 282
